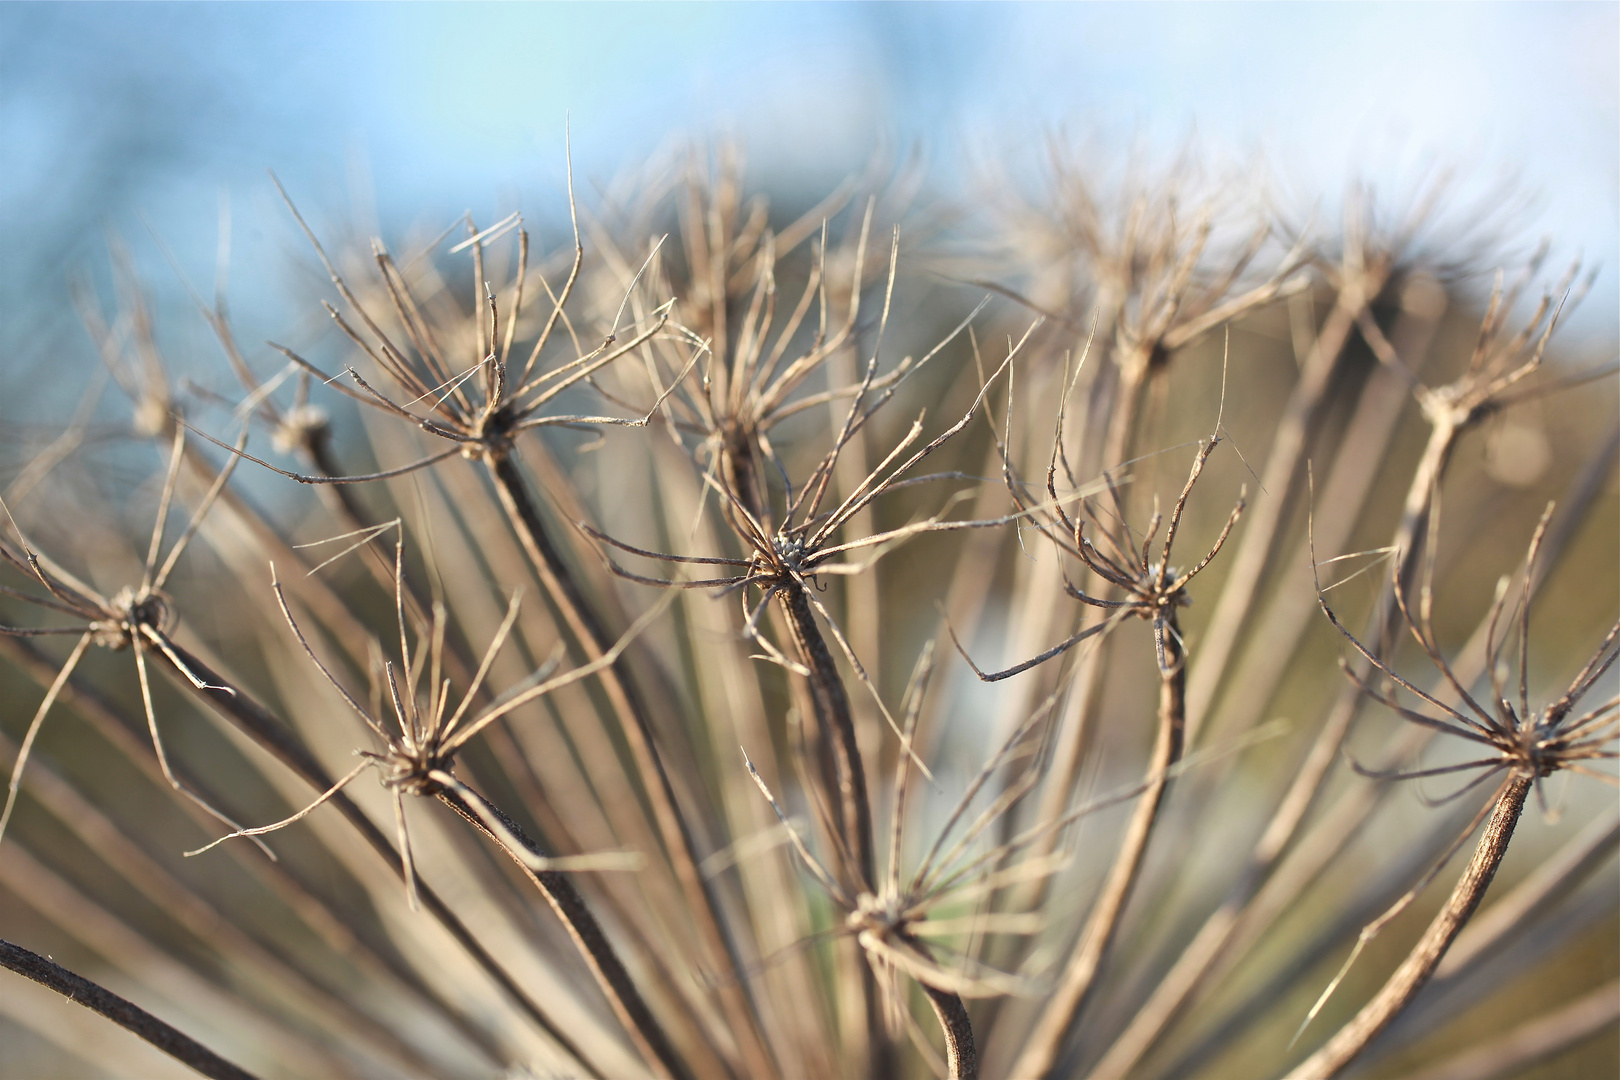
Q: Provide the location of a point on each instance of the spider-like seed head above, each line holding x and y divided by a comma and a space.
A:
1173, 593
1526, 742
882, 915
129, 610
409, 770
301, 425
790, 549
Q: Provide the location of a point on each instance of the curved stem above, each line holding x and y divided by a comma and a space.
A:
961, 1057
1045, 1044
594, 641
1425, 956
1223, 930
1242, 585
593, 944
835, 716
337, 933
132, 1018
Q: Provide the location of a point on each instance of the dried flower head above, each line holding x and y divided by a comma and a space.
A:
1522, 741
139, 618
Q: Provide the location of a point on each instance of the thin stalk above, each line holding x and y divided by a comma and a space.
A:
593, 944
1358, 463
1045, 1044
634, 720
148, 878
1109, 419
1242, 584
740, 466
1425, 956
514, 766
273, 735
1221, 929
1123, 408
132, 1018
834, 718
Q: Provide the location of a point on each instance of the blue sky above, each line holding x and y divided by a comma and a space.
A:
111, 114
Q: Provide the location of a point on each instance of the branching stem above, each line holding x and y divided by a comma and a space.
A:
273, 735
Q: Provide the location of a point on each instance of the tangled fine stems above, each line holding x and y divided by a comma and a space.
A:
809, 460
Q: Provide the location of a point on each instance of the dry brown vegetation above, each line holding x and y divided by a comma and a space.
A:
849, 646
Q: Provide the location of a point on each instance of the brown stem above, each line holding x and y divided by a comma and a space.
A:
1425, 956
1122, 399
565, 900
150, 879
273, 735
593, 640
1045, 1044
132, 1018
1219, 932
835, 716
961, 1058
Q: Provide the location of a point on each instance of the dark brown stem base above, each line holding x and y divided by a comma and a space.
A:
127, 1015
961, 1056
835, 720
832, 708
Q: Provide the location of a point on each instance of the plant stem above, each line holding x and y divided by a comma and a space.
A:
132, 1018
1219, 932
1425, 956
591, 637
1045, 1044
961, 1057
565, 900
835, 716
1242, 585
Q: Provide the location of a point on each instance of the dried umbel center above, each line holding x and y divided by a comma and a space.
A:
153, 609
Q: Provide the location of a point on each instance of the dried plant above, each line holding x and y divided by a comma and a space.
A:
1091, 849
1526, 746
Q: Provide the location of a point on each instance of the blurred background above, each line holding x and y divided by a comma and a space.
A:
147, 130
136, 117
